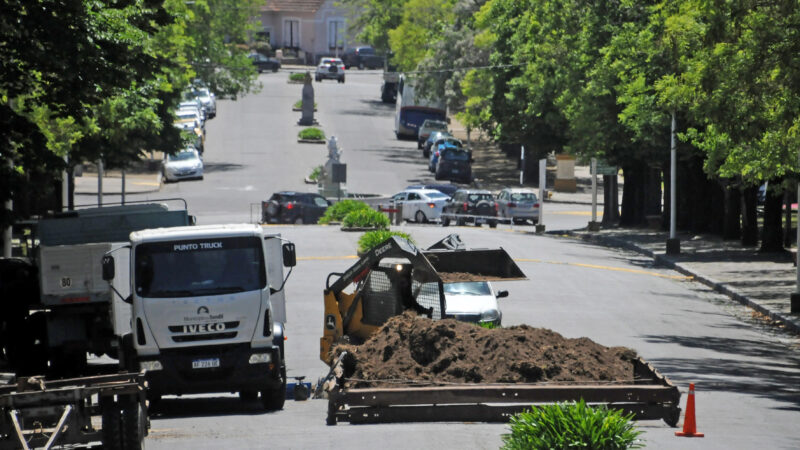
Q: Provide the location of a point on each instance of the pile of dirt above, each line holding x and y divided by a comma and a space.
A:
410, 349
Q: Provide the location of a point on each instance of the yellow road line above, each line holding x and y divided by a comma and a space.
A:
588, 266
615, 269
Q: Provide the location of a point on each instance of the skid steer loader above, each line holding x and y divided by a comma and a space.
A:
395, 276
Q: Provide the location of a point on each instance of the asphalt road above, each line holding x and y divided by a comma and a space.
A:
747, 376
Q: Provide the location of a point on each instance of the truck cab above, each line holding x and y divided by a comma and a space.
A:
208, 311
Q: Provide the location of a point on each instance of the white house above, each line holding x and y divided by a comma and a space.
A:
313, 28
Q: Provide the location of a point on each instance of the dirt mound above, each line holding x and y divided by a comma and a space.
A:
411, 350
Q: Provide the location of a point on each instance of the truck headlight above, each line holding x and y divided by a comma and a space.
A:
260, 358
490, 315
150, 366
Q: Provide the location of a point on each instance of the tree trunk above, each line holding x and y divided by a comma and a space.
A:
731, 224
610, 202
749, 216
633, 196
788, 236
771, 234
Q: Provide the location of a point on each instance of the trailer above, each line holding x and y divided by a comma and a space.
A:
651, 396
39, 413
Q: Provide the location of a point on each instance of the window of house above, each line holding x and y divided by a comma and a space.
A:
336, 34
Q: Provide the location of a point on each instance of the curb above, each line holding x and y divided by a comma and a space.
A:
707, 281
311, 141
144, 191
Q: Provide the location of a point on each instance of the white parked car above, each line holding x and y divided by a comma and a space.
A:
518, 204
473, 301
183, 165
420, 205
208, 100
330, 69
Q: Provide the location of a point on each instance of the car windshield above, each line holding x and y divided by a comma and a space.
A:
182, 156
523, 197
468, 288
478, 197
366, 51
199, 267
319, 201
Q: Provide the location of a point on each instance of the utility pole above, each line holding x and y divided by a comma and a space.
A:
673, 243
100, 182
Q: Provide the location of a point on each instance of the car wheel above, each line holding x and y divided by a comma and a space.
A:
420, 217
342, 80
445, 221
298, 221
317, 79
426, 153
361, 66
461, 221
493, 224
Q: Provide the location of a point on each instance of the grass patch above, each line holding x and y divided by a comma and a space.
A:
338, 211
488, 325
299, 105
572, 425
311, 133
371, 239
366, 218
297, 77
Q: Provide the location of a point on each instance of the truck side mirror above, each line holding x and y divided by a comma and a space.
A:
289, 256
108, 268
501, 294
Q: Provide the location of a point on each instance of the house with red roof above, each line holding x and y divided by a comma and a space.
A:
312, 28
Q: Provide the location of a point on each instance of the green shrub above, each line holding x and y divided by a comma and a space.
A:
370, 239
311, 133
337, 211
314, 176
366, 218
488, 325
572, 425
299, 105
299, 77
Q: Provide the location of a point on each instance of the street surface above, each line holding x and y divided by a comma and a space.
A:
746, 375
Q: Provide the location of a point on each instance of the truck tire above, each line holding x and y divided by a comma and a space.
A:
274, 398
112, 426
134, 426
30, 352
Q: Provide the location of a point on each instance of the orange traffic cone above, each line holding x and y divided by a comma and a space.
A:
689, 424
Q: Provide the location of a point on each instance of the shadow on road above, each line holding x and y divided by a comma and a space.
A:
221, 167
739, 368
376, 108
171, 408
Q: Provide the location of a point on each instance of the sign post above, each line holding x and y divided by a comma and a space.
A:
673, 243
542, 185
522, 164
594, 225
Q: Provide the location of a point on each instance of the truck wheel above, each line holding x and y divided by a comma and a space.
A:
112, 425
273, 399
134, 426
30, 353
68, 363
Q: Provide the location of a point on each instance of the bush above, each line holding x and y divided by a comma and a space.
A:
298, 77
311, 133
370, 239
314, 176
366, 218
572, 425
337, 211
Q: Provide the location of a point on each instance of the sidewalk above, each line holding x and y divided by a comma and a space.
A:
135, 183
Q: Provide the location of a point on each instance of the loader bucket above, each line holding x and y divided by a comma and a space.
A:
474, 265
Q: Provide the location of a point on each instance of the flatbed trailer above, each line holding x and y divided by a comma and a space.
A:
38, 413
650, 396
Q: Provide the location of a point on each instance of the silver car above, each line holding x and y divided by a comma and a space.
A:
330, 69
473, 301
208, 100
183, 165
518, 204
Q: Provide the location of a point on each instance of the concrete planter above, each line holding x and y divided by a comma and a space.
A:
311, 141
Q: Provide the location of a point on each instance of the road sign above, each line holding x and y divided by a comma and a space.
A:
604, 169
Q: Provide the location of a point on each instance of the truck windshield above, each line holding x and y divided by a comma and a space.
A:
197, 267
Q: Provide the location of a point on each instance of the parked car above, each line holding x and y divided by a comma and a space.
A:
420, 205
264, 63
183, 165
473, 301
433, 138
330, 69
519, 205
447, 142
191, 125
206, 98
293, 207
455, 164
427, 128
363, 57
446, 189
476, 206
190, 114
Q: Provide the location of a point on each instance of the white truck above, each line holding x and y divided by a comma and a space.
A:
208, 310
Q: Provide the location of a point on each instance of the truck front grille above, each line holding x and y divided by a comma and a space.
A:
204, 337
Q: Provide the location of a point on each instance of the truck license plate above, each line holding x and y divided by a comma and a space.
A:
205, 363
